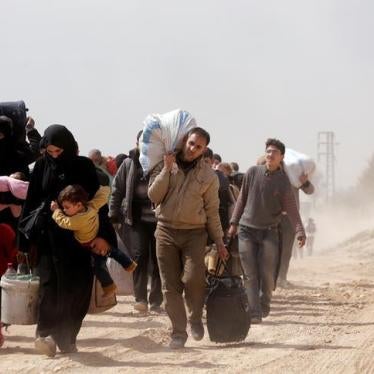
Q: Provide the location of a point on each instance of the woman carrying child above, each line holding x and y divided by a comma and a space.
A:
64, 265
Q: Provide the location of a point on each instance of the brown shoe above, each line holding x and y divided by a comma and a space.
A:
109, 290
141, 307
131, 267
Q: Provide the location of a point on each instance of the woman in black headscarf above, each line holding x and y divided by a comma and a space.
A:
64, 266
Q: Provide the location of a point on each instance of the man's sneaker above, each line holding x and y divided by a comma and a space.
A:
197, 330
141, 307
177, 342
156, 309
46, 346
256, 320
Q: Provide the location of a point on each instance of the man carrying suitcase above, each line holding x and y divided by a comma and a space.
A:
266, 192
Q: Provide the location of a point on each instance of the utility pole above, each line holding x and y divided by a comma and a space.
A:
326, 158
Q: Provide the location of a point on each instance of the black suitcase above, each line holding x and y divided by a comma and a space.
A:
16, 111
228, 313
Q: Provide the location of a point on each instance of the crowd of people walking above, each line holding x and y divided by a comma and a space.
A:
166, 219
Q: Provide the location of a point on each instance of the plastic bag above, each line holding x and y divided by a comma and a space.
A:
297, 164
163, 133
227, 309
122, 278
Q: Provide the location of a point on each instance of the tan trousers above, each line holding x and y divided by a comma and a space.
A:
180, 255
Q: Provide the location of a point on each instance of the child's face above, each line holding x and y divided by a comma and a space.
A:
71, 209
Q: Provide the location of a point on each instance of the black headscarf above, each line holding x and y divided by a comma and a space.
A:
60, 137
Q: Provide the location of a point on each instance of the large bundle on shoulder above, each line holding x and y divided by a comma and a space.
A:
296, 164
163, 133
16, 111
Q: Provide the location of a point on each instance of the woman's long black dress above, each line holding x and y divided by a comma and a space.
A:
64, 266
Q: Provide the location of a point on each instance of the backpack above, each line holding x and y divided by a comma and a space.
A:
16, 111
227, 307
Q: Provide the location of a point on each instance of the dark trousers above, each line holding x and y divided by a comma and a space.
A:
288, 239
259, 253
140, 240
101, 269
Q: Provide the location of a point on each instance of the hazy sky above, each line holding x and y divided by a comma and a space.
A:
247, 70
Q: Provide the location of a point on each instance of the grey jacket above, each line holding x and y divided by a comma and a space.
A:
120, 202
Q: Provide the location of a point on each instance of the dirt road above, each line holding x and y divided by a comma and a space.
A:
324, 324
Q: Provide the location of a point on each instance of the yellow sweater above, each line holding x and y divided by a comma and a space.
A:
86, 224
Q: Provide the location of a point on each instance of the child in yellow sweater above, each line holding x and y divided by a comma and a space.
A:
81, 216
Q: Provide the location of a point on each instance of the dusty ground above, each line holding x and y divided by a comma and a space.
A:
324, 324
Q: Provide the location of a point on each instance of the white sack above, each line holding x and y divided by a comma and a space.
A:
163, 133
297, 164
122, 278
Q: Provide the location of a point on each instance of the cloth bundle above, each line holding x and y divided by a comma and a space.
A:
18, 189
163, 133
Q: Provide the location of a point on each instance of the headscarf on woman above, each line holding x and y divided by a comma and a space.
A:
58, 136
